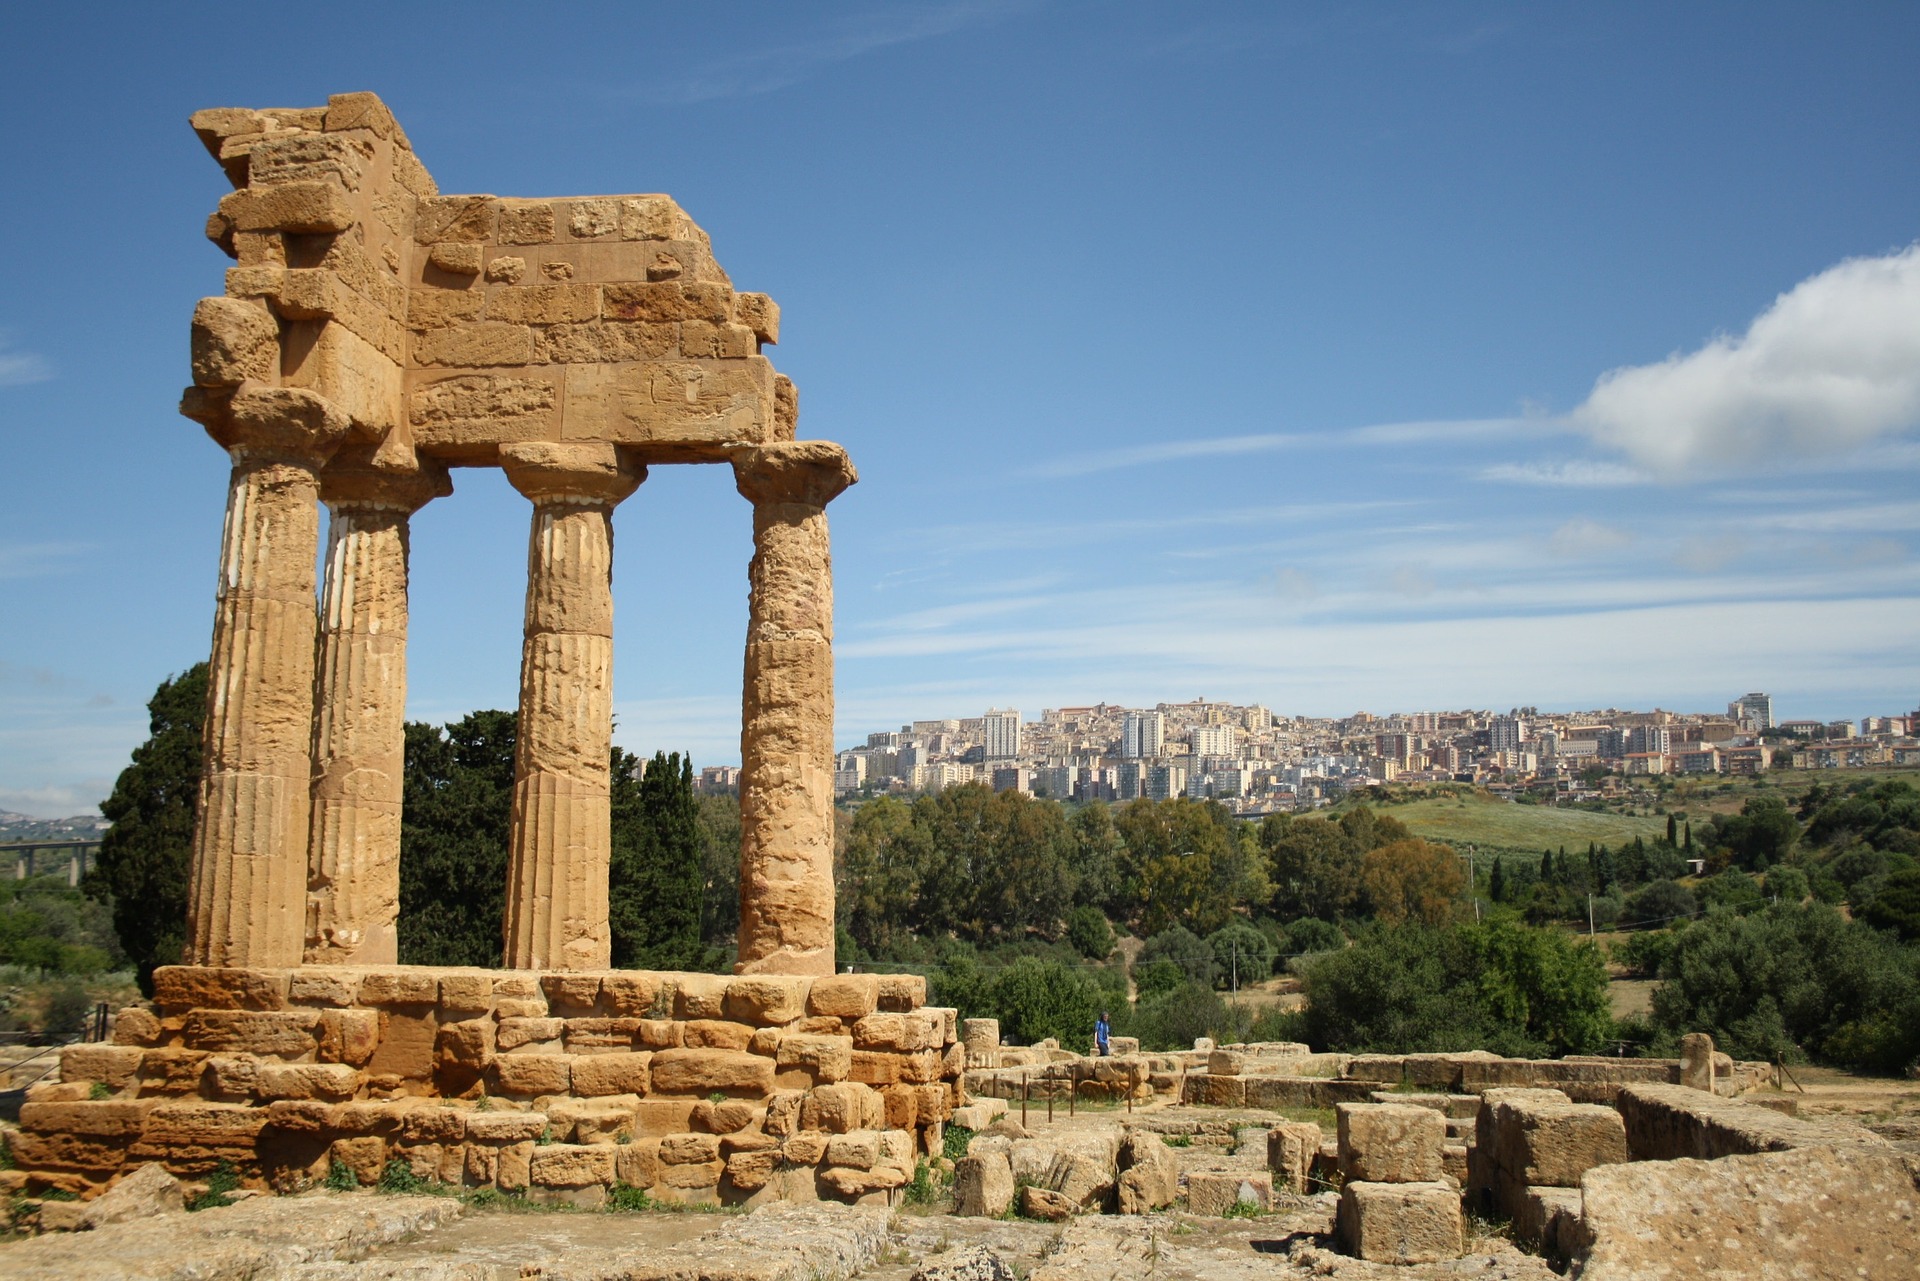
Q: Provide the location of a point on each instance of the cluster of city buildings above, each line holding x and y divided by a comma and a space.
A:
1256, 762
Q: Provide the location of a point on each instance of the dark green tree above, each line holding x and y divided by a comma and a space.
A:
657, 884
1089, 933
1497, 883
1896, 906
142, 867
720, 857
457, 804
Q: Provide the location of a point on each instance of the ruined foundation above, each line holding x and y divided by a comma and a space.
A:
695, 1087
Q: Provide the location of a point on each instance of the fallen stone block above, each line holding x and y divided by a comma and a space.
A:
1291, 1147
983, 1185
1668, 1122
1044, 1203
1816, 1212
1401, 1222
1218, 1192
1553, 1144
1390, 1143
1149, 1174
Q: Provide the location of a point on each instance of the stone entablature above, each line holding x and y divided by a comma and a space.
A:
694, 1086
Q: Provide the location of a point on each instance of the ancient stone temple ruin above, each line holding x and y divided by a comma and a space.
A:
374, 334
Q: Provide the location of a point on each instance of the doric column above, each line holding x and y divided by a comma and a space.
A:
247, 889
560, 845
360, 703
786, 719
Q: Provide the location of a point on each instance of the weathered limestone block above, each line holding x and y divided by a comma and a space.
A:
1696, 1061
365, 1156
286, 1034
115, 1066
1390, 1143
519, 1034
1401, 1222
620, 1073
434, 1124
1545, 1217
573, 995
136, 1026
1665, 1122
766, 1000
600, 1036
849, 1183
900, 1033
504, 1127
1218, 1192
180, 989
307, 208
532, 1074
826, 1059
234, 339
1553, 1144
637, 1164
570, 1165
839, 1109
729, 1116
399, 987
606, 1119
982, 1039
1810, 1212
1037, 1202
716, 1034
170, 1070
857, 1149
786, 737
700, 996
807, 1147
700, 1072
751, 1171
193, 1136
1291, 1148
1150, 1174
328, 1081
629, 995
902, 993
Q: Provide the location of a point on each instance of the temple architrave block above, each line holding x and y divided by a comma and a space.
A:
373, 335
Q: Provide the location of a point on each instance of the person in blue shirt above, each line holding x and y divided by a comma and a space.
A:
1101, 1031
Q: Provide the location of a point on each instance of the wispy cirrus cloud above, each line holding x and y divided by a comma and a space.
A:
851, 35
1579, 473
19, 368
1376, 435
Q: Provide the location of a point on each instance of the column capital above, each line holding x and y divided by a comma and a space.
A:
581, 474
261, 423
808, 472
360, 479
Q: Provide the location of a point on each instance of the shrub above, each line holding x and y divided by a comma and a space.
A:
1896, 905
1240, 952
223, 1181
68, 1009
1174, 1020
1311, 934
340, 1177
1088, 931
1787, 884
399, 1177
1036, 999
1185, 949
1156, 977
1658, 904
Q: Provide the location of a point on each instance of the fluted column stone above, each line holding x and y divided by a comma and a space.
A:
786, 721
247, 877
360, 702
560, 845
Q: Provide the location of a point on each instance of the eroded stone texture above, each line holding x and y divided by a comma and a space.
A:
247, 884
561, 839
359, 726
786, 734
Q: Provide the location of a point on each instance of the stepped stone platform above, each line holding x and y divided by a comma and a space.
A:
696, 1087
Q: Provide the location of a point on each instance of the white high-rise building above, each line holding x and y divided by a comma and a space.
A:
1506, 733
1000, 732
1212, 740
1143, 734
1755, 710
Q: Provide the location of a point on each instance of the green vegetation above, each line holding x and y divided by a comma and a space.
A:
1490, 823
224, 1181
141, 872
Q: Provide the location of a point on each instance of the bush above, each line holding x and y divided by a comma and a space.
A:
1174, 1020
1088, 931
1496, 985
1646, 952
1185, 949
1156, 977
1792, 980
1787, 884
1035, 999
1310, 934
1240, 952
1731, 891
68, 1009
1659, 904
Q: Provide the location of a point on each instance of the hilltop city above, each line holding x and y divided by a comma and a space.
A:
1256, 762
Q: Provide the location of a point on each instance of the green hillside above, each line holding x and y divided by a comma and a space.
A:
1491, 823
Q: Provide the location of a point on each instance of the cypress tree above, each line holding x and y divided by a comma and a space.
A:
1546, 868
1673, 833
1497, 884
141, 870
658, 877
1689, 837
457, 807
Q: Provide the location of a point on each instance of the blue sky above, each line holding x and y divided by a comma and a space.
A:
1332, 356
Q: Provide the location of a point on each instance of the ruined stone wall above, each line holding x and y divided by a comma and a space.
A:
697, 1087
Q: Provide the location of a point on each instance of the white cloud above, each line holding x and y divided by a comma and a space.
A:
1578, 474
1832, 365
18, 368
1584, 537
1705, 555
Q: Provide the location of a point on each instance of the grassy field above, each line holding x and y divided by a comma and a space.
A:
1489, 823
